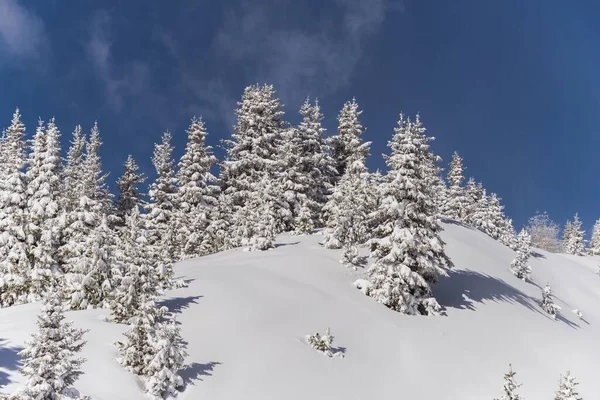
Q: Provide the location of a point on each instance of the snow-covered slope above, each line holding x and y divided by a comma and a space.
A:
245, 316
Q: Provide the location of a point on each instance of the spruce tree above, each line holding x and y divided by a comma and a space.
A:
163, 197
50, 360
566, 239
72, 173
410, 256
348, 142
473, 194
508, 236
519, 265
257, 220
15, 263
510, 386
594, 247
129, 196
43, 211
197, 192
575, 243
567, 389
548, 302
456, 203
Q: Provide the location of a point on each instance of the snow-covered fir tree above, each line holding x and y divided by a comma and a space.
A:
491, 218
72, 173
218, 235
473, 194
257, 219
510, 386
136, 277
544, 232
410, 254
519, 266
308, 169
574, 238
254, 151
50, 359
166, 361
594, 247
197, 191
44, 196
567, 389
15, 263
548, 302
348, 142
163, 198
129, 196
456, 202
567, 233
508, 237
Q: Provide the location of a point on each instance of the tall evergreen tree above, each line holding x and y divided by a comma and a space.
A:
197, 192
50, 359
594, 248
566, 239
255, 149
129, 195
72, 173
163, 197
456, 203
348, 142
15, 264
44, 197
519, 265
410, 255
575, 243
307, 178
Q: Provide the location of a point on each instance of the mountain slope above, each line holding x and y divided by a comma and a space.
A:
245, 315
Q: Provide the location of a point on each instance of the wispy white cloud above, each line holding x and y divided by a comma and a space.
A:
119, 81
298, 59
22, 32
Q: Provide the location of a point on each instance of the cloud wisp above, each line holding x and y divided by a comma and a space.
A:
22, 32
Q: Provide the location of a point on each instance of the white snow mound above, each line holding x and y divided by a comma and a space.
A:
246, 315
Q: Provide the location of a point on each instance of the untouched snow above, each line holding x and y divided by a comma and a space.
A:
246, 315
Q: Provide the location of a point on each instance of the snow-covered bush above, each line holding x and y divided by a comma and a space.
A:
548, 302
578, 313
510, 386
321, 343
567, 388
519, 265
544, 232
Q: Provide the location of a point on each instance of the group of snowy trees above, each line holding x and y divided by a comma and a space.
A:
567, 387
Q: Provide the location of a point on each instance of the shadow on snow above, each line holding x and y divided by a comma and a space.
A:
9, 359
195, 371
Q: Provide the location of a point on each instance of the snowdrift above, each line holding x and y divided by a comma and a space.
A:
246, 314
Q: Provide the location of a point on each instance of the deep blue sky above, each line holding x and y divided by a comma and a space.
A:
511, 85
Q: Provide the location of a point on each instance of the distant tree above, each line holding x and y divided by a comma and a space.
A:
456, 202
548, 302
519, 265
410, 255
508, 236
566, 239
544, 232
129, 196
567, 389
594, 247
72, 173
574, 243
50, 360
473, 195
510, 386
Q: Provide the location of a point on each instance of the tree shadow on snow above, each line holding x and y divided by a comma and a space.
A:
455, 222
276, 245
195, 371
537, 255
9, 359
340, 350
462, 289
177, 304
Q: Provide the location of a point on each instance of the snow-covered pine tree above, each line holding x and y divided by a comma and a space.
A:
255, 150
410, 255
197, 191
510, 386
519, 266
167, 359
575, 242
15, 264
473, 194
492, 220
308, 169
567, 389
456, 203
567, 233
322, 343
256, 220
43, 211
219, 235
440, 194
163, 197
136, 277
50, 360
129, 196
348, 142
72, 173
508, 237
548, 302
594, 247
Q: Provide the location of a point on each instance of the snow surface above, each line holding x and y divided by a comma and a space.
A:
246, 315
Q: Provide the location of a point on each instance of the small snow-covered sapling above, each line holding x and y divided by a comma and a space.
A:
321, 343
579, 313
510, 386
548, 302
567, 390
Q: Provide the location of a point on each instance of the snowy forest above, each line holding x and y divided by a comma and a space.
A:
70, 243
